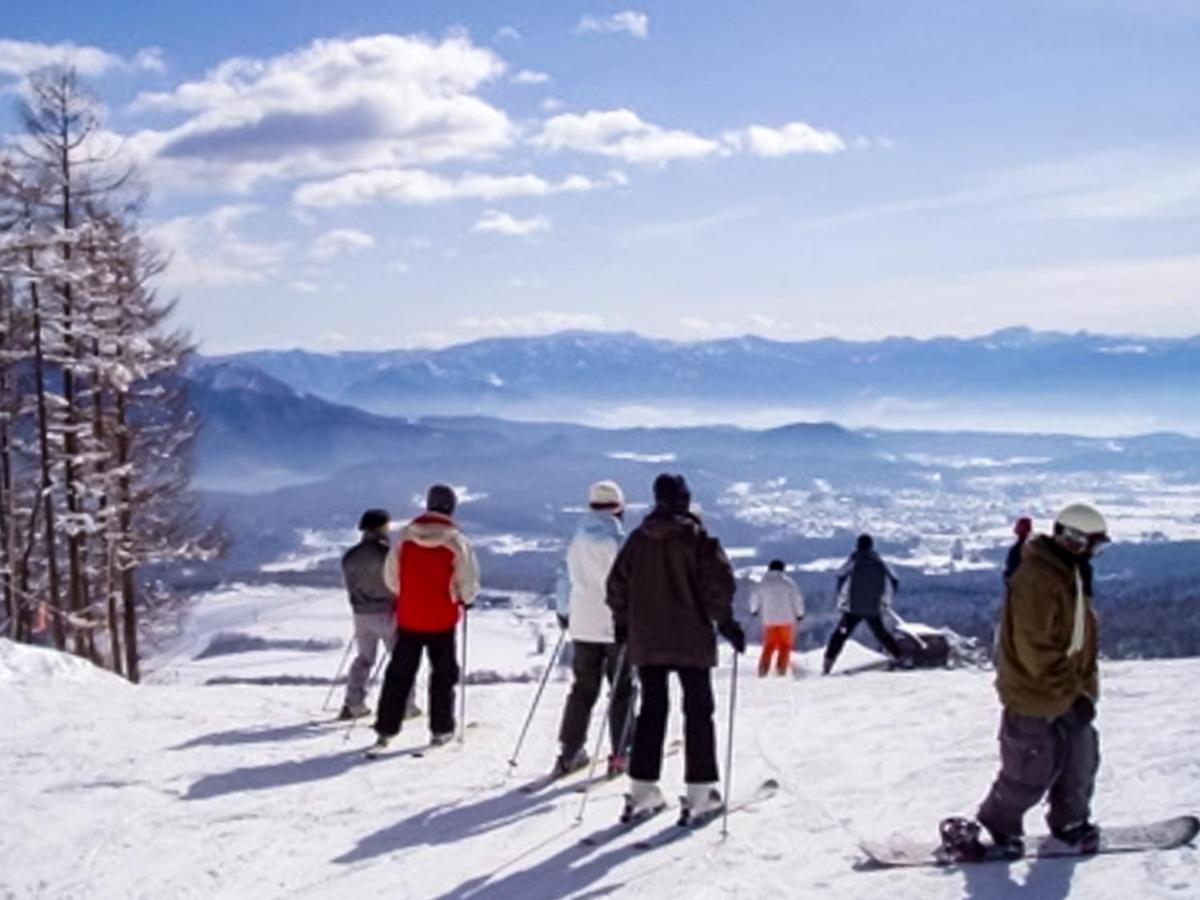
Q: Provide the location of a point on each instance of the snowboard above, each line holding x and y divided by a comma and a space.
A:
1165, 834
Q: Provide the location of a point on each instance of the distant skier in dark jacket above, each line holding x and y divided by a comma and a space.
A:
374, 606
866, 585
1047, 679
1021, 529
670, 584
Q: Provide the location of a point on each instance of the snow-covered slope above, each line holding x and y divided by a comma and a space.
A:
182, 789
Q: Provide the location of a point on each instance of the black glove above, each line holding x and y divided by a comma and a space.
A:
620, 634
563, 622
1082, 711
732, 632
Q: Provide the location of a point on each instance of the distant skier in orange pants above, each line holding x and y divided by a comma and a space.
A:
781, 604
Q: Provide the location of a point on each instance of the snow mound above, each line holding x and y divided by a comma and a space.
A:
21, 664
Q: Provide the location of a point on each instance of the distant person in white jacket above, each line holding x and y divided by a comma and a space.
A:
779, 601
582, 610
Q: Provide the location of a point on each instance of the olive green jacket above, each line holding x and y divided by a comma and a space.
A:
1044, 661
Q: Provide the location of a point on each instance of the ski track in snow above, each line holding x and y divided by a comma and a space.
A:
176, 789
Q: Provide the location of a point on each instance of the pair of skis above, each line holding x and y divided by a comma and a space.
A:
684, 827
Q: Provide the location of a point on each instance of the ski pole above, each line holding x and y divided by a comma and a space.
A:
462, 697
612, 693
379, 667
512, 759
338, 673
729, 747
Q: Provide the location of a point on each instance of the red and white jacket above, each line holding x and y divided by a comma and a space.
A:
432, 571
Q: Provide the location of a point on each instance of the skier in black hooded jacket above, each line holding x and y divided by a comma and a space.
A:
670, 584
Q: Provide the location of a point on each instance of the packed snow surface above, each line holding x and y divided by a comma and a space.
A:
22, 666
185, 789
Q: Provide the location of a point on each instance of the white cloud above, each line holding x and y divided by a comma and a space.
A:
331, 107
552, 105
340, 241
304, 287
532, 323
398, 267
629, 21
149, 59
507, 33
211, 250
795, 137
622, 134
18, 59
417, 187
529, 76
497, 222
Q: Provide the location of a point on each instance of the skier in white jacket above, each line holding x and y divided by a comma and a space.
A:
580, 600
778, 599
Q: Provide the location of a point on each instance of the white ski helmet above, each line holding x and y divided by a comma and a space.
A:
1081, 527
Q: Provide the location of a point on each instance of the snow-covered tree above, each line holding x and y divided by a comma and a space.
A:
95, 428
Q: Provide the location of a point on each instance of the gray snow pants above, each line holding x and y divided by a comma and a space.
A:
370, 630
1039, 756
594, 662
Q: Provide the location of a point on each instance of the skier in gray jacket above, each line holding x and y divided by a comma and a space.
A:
866, 585
374, 606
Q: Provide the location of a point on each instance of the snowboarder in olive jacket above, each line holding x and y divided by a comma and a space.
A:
1046, 677
670, 584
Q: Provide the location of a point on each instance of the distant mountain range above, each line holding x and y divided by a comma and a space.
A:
1012, 380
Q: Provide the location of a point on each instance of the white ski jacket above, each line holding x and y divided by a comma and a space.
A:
777, 598
582, 585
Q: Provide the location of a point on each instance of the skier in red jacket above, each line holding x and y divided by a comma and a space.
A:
433, 572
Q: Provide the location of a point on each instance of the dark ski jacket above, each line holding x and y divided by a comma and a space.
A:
1013, 560
865, 584
669, 585
362, 570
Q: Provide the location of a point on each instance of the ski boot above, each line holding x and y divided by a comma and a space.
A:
702, 803
568, 763
378, 748
349, 712
643, 800
1083, 835
441, 739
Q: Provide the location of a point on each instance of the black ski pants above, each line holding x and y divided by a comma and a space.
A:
593, 663
846, 626
1038, 756
439, 646
699, 732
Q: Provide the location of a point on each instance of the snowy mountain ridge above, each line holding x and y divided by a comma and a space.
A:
1012, 380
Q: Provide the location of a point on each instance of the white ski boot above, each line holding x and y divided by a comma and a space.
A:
702, 803
643, 800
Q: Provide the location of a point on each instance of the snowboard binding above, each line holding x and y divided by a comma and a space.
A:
960, 840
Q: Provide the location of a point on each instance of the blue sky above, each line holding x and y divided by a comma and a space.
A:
380, 174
